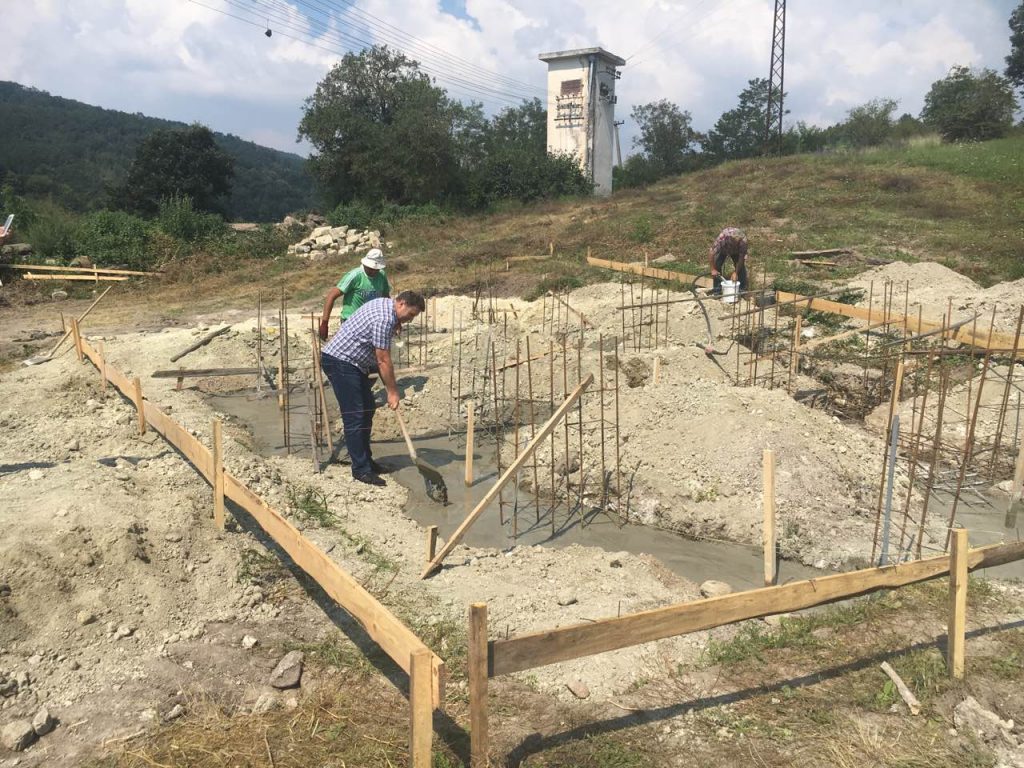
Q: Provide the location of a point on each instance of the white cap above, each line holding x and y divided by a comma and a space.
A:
374, 259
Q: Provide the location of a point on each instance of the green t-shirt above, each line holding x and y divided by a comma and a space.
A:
357, 288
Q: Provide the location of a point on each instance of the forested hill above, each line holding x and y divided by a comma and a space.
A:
72, 152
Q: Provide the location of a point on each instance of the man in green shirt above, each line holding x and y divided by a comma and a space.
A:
360, 285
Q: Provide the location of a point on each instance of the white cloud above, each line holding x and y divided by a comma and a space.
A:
179, 60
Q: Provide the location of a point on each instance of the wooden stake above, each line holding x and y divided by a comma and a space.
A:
957, 604
479, 746
421, 726
470, 414
103, 366
657, 368
431, 542
218, 475
905, 693
77, 339
768, 502
137, 385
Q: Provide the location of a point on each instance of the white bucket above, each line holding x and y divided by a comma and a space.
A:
730, 291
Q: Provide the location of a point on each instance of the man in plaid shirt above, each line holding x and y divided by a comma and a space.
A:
360, 347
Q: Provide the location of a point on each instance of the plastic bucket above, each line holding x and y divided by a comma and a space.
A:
730, 291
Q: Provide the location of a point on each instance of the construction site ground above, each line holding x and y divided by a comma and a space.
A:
123, 611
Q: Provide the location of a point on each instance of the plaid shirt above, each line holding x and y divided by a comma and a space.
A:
368, 329
731, 241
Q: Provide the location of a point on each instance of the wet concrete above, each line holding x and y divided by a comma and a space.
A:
989, 518
738, 565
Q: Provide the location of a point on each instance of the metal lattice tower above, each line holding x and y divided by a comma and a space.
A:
774, 111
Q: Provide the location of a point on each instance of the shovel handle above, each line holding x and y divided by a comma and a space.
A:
405, 434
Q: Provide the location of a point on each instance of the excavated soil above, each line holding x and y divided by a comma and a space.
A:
120, 600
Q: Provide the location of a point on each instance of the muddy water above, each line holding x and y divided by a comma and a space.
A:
741, 566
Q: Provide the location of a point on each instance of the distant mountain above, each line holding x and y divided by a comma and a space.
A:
57, 148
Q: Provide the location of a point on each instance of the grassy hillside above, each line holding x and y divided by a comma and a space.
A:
962, 206
71, 152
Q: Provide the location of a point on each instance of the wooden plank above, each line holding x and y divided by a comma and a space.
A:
513, 468
479, 743
768, 503
192, 373
81, 317
89, 277
90, 270
396, 639
549, 646
77, 336
218, 475
956, 631
137, 397
203, 341
421, 710
470, 418
572, 309
826, 252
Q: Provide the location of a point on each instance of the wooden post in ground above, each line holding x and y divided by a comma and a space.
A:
218, 475
77, 338
103, 366
768, 502
470, 415
957, 604
421, 710
431, 542
137, 387
657, 369
478, 738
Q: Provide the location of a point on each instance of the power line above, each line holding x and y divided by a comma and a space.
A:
344, 41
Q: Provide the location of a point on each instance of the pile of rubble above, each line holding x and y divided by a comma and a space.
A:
333, 241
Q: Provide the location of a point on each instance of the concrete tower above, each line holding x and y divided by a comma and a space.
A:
581, 109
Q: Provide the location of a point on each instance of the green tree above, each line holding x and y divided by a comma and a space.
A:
177, 163
1015, 61
381, 131
667, 140
740, 131
970, 106
869, 124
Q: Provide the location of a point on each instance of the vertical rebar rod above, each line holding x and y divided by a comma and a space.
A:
551, 410
867, 337
604, 479
579, 412
533, 426
259, 341
936, 449
997, 441
497, 432
775, 337
968, 446
516, 411
618, 443
913, 459
565, 422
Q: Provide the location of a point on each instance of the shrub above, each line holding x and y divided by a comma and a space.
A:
52, 233
356, 214
179, 218
116, 237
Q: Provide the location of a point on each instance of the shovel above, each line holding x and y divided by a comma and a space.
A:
436, 487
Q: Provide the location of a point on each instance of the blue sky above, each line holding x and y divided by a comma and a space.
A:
179, 60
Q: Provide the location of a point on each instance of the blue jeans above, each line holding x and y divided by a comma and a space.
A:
355, 398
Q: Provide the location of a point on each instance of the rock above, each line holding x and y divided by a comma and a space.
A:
578, 689
17, 735
59, 295
637, 372
35, 474
249, 642
288, 671
325, 241
73, 445
43, 722
8, 687
713, 588
175, 712
123, 631
267, 702
320, 232
5, 590
84, 558
85, 617
666, 259
174, 537
352, 238
567, 598
988, 725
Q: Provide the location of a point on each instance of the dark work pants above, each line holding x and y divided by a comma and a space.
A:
741, 273
355, 398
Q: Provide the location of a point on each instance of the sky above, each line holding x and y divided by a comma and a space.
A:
210, 61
